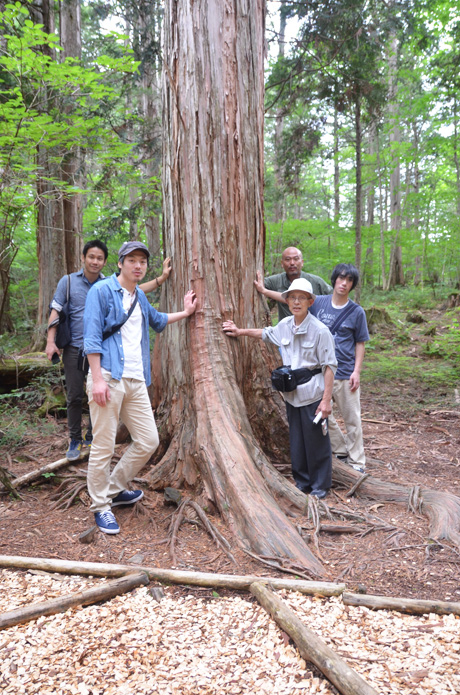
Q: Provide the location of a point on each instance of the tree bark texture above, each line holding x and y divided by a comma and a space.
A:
51, 252
359, 191
214, 395
395, 272
72, 165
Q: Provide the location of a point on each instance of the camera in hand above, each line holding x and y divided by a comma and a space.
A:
56, 358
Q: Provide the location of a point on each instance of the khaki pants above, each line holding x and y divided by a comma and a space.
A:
130, 402
349, 406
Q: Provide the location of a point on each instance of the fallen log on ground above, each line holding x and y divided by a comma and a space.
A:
80, 598
49, 468
441, 508
19, 371
310, 646
223, 581
403, 605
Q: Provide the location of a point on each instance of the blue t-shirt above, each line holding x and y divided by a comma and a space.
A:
351, 331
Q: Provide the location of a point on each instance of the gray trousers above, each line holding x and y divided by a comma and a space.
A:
311, 457
75, 390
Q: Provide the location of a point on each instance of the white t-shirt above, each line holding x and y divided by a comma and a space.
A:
131, 335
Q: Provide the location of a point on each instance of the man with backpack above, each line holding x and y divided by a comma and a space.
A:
71, 292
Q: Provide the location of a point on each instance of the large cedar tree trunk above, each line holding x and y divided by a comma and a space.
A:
215, 408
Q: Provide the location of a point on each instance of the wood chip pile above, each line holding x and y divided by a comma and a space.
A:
133, 645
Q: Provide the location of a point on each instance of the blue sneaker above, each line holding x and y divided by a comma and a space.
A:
127, 497
74, 450
106, 522
88, 440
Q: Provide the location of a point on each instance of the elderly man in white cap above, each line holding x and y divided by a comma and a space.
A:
307, 351
116, 341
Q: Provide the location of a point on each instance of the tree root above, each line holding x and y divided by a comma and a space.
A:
441, 508
281, 564
72, 486
180, 515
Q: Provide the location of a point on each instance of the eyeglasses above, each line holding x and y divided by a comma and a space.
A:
301, 300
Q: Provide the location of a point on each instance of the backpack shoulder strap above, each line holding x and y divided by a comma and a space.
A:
342, 316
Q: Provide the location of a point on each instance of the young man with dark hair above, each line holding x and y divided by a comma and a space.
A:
307, 347
347, 322
94, 258
116, 341
272, 286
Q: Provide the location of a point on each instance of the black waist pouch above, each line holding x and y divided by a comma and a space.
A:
286, 379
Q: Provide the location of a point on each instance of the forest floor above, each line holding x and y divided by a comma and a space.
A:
395, 557
203, 641
411, 434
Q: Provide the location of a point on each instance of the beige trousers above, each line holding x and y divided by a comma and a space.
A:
349, 406
130, 402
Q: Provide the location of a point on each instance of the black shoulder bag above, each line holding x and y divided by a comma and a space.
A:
82, 363
62, 322
342, 316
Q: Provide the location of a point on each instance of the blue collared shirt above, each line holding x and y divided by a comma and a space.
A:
79, 288
103, 311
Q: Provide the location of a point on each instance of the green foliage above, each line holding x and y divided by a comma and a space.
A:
319, 241
18, 411
341, 55
406, 355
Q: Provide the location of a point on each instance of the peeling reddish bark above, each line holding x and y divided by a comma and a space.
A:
217, 413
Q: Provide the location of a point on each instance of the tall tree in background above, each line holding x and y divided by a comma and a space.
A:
73, 161
217, 412
48, 110
395, 273
51, 246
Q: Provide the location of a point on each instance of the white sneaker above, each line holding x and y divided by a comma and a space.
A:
357, 467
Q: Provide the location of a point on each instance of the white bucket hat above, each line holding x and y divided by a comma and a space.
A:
301, 285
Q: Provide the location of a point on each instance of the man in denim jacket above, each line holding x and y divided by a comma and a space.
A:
304, 342
118, 380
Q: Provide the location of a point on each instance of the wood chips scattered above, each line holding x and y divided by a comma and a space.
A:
187, 645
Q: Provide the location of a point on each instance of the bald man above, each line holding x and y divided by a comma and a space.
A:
274, 285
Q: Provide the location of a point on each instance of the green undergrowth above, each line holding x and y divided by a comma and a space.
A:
19, 418
421, 359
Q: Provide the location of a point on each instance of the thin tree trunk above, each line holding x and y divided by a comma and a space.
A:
73, 162
336, 168
403, 605
395, 275
359, 192
381, 218
51, 250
